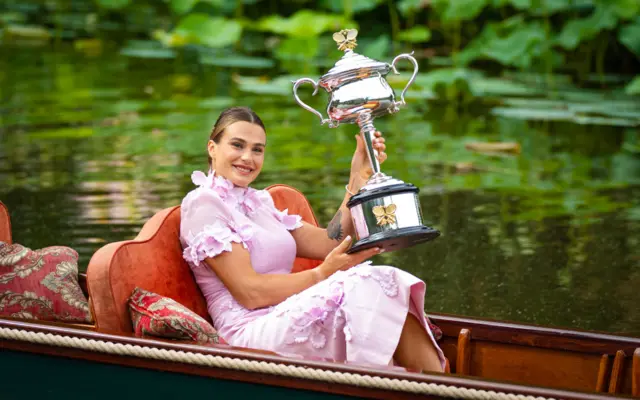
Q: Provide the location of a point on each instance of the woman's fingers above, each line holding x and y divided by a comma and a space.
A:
382, 156
364, 255
344, 245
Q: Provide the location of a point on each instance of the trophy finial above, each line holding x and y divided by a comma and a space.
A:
346, 39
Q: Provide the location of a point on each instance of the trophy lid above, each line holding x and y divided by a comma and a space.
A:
351, 65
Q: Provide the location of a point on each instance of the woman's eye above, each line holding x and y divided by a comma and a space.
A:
258, 150
236, 145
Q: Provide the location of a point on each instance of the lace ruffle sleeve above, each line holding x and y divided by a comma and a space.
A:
207, 228
290, 221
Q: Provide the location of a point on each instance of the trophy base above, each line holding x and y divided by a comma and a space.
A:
396, 239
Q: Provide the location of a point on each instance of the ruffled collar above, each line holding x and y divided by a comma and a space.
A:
247, 199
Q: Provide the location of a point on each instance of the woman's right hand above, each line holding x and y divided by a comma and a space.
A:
339, 260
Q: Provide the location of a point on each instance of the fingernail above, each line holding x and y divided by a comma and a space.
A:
348, 238
380, 251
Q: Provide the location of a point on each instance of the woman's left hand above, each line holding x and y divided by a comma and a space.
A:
360, 166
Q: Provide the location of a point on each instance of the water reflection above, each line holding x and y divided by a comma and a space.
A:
91, 148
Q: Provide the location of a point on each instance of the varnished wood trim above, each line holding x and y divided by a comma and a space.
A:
535, 336
261, 378
464, 352
635, 374
603, 373
617, 372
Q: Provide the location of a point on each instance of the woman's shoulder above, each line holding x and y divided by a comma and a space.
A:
208, 190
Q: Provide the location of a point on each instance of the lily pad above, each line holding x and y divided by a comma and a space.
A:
281, 86
533, 114
158, 53
238, 61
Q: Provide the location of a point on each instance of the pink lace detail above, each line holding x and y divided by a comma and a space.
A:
386, 277
308, 324
214, 239
227, 309
290, 222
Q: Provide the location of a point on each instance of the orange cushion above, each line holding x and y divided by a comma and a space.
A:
5, 224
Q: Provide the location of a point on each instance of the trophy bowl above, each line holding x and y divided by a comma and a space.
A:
386, 211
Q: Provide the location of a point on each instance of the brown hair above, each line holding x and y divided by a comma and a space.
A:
228, 117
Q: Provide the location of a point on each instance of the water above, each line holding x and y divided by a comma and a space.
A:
93, 145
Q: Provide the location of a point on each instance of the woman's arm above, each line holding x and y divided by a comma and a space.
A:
316, 243
253, 290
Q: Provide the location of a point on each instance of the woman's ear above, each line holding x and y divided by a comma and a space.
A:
211, 149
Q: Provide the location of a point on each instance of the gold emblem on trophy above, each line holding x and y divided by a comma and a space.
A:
385, 215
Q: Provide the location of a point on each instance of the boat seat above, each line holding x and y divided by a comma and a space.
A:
5, 224
153, 261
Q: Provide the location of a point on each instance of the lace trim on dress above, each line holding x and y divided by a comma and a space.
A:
214, 239
290, 222
308, 323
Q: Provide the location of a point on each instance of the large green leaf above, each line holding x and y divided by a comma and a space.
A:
417, 34
519, 46
304, 23
113, 4
297, 48
629, 35
625, 9
407, 7
463, 10
209, 31
578, 30
378, 48
182, 6
633, 88
354, 6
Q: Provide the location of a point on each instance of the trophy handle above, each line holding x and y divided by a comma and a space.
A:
305, 106
413, 77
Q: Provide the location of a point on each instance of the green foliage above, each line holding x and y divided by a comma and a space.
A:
113, 4
579, 30
349, 7
210, 31
633, 88
460, 10
304, 23
513, 43
630, 36
417, 34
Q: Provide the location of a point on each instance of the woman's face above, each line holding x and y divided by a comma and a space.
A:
239, 154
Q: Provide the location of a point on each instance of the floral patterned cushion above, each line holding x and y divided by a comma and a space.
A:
41, 284
156, 315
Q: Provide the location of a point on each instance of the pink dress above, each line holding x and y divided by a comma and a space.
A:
355, 315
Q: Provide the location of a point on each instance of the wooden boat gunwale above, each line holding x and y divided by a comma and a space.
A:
462, 337
269, 379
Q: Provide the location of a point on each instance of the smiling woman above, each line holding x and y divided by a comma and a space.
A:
241, 249
237, 154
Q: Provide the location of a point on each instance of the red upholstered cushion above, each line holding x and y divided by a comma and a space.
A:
155, 315
41, 284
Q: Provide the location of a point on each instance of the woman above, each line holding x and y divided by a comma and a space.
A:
242, 249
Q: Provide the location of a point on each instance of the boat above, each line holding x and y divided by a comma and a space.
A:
486, 359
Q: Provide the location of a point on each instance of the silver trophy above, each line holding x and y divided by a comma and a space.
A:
386, 211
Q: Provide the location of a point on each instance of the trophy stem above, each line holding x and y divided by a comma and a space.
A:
367, 131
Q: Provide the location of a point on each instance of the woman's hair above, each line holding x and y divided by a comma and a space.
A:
228, 117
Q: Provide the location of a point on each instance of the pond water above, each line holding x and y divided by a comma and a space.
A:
93, 145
